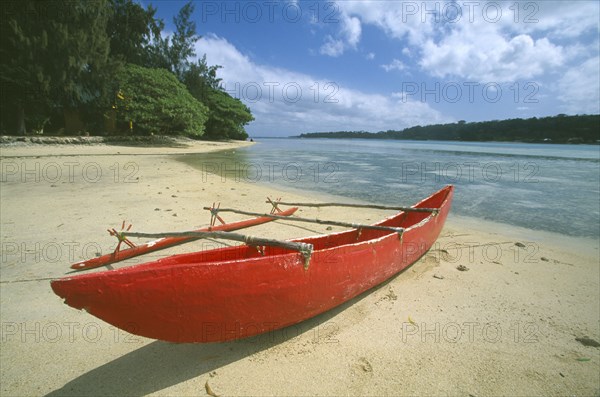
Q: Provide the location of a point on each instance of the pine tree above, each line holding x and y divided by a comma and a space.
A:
132, 30
172, 52
54, 56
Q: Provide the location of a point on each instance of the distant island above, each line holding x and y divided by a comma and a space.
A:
555, 129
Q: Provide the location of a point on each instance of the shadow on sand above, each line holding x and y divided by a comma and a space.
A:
160, 365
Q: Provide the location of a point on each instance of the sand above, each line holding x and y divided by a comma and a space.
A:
506, 326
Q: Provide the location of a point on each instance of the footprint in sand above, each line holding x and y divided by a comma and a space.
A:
363, 366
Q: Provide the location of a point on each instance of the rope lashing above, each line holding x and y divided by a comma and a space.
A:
121, 237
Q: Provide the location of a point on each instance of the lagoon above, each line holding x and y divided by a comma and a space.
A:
552, 188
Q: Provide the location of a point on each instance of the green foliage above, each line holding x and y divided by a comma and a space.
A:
227, 115
157, 102
183, 40
172, 53
131, 30
54, 54
207, 74
557, 129
63, 62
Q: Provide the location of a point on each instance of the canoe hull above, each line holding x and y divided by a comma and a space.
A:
233, 293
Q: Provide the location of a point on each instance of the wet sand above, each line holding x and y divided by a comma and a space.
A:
505, 326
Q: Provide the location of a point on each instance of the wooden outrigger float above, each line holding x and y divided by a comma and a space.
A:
240, 291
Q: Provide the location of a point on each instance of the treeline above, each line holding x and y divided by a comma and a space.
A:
106, 67
557, 129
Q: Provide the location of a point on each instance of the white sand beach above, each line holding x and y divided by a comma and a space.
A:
505, 326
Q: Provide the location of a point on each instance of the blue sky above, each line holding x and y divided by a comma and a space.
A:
307, 66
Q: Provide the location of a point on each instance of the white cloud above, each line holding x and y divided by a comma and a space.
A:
396, 64
349, 36
485, 55
285, 102
393, 17
579, 88
491, 41
556, 19
332, 47
370, 55
352, 30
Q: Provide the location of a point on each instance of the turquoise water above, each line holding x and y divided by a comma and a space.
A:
545, 187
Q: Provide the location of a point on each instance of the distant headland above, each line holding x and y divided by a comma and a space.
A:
556, 129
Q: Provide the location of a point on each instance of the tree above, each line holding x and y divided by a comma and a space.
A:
208, 74
70, 58
227, 115
131, 30
21, 79
156, 102
558, 129
172, 53
183, 40
54, 56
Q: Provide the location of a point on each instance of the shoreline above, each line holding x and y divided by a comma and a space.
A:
174, 147
507, 326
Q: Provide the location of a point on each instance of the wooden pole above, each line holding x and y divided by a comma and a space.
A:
304, 248
399, 230
373, 206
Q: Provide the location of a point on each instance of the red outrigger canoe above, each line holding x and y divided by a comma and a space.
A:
237, 292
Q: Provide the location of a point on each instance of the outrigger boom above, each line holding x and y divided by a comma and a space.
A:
319, 221
303, 248
168, 240
162, 243
371, 206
